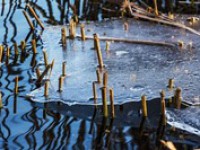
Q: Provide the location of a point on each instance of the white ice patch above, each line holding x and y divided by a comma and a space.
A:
186, 119
120, 53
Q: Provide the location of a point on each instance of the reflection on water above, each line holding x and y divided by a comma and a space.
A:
27, 125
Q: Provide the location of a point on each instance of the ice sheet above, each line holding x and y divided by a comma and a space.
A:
133, 69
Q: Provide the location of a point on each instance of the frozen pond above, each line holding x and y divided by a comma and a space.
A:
133, 69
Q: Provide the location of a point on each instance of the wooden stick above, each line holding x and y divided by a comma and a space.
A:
16, 48
63, 36
39, 80
83, 32
104, 99
1, 102
45, 58
97, 42
72, 29
60, 84
105, 79
94, 91
162, 95
28, 20
16, 85
131, 41
36, 17
98, 76
33, 42
112, 103
46, 89
64, 69
171, 84
144, 106
99, 54
155, 7
178, 98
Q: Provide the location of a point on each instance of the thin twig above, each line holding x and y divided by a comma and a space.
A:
131, 41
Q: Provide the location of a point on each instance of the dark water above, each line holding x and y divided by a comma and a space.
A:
28, 125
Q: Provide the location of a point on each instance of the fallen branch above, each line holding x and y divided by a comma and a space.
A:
175, 24
143, 14
131, 41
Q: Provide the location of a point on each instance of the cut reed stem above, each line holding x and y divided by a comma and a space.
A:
171, 84
63, 36
144, 106
72, 29
83, 32
155, 7
98, 76
46, 89
64, 69
105, 79
60, 84
99, 53
178, 98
